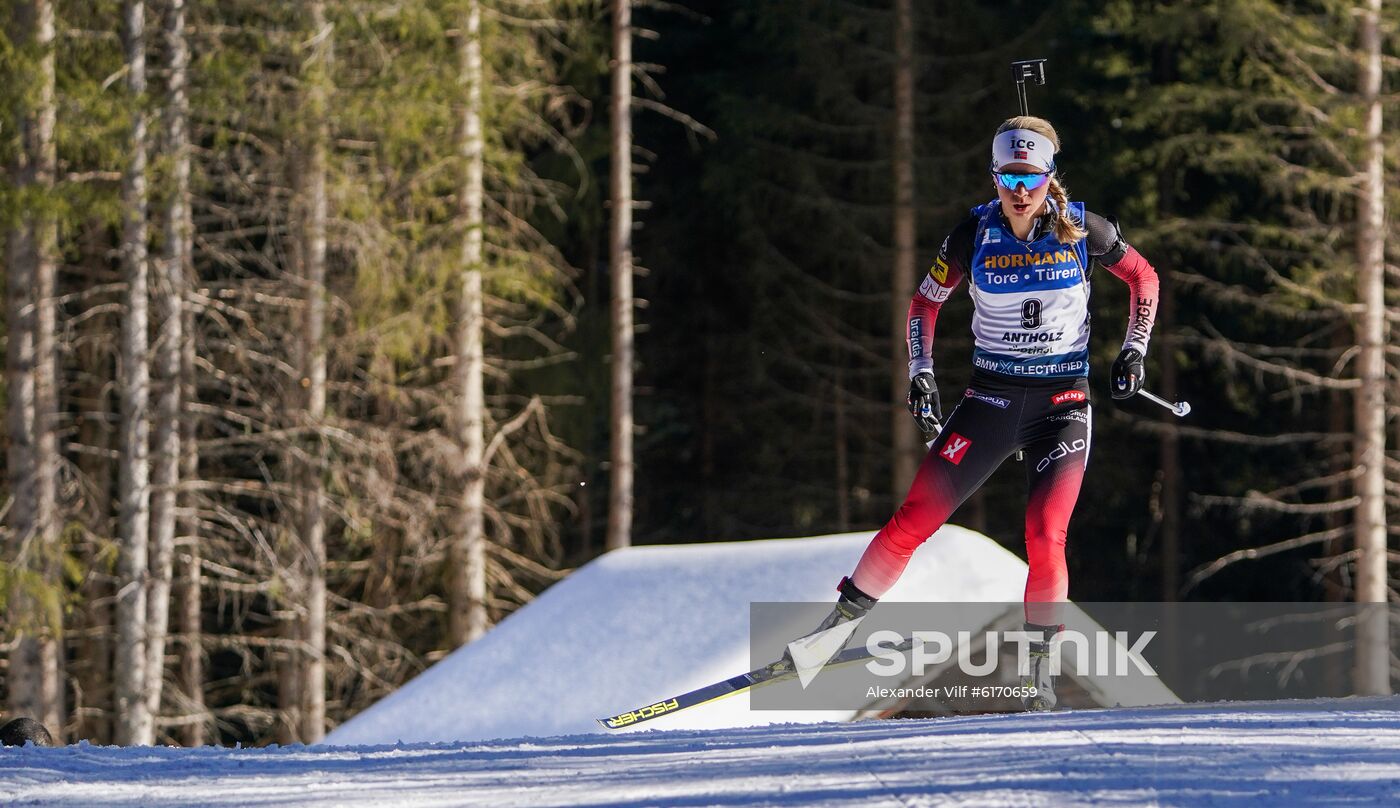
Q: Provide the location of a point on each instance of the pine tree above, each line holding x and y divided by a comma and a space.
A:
32, 255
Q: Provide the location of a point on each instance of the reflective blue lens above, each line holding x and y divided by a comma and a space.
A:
1030, 181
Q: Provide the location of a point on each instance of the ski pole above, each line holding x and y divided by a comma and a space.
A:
1180, 409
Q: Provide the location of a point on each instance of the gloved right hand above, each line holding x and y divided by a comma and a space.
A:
1127, 375
923, 402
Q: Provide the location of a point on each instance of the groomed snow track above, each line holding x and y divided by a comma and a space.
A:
1343, 752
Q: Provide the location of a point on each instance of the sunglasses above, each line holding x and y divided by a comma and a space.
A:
1029, 181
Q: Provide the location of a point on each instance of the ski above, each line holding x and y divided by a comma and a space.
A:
779, 671
736, 684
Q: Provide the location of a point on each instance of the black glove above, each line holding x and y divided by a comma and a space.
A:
1127, 374
923, 402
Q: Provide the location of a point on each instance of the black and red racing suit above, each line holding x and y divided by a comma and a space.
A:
1029, 389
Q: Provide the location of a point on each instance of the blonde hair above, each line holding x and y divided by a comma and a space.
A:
1067, 229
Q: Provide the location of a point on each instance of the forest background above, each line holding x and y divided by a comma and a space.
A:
308, 325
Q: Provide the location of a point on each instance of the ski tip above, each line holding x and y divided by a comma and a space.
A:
616, 722
642, 714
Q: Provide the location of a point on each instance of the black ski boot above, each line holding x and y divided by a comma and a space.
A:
851, 605
1038, 677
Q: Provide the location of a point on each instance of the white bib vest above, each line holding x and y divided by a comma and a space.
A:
1031, 300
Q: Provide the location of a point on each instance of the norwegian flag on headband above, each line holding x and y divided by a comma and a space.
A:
1023, 146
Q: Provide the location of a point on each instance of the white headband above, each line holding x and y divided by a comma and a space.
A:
1023, 146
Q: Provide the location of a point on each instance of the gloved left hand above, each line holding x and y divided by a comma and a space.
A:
1128, 374
923, 402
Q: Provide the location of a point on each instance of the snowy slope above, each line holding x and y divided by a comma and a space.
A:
1270, 754
644, 623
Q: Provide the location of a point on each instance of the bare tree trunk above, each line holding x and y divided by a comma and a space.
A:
19, 395
23, 674
191, 594
313, 527
841, 435
1373, 630
1164, 71
94, 638
192, 652
46, 461
1338, 583
1170, 497
34, 683
170, 288
906, 442
620, 495
711, 406
133, 720
467, 614
287, 657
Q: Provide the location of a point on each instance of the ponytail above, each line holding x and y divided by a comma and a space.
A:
1067, 230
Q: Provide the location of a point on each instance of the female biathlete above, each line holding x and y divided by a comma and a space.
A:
1027, 257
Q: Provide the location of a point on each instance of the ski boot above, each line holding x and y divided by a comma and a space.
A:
1038, 676
816, 651
852, 605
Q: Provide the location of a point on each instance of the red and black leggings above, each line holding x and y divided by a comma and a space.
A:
1050, 420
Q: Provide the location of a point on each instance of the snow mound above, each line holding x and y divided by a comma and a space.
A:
643, 623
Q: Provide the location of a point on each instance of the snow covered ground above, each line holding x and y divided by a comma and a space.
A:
1269, 754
